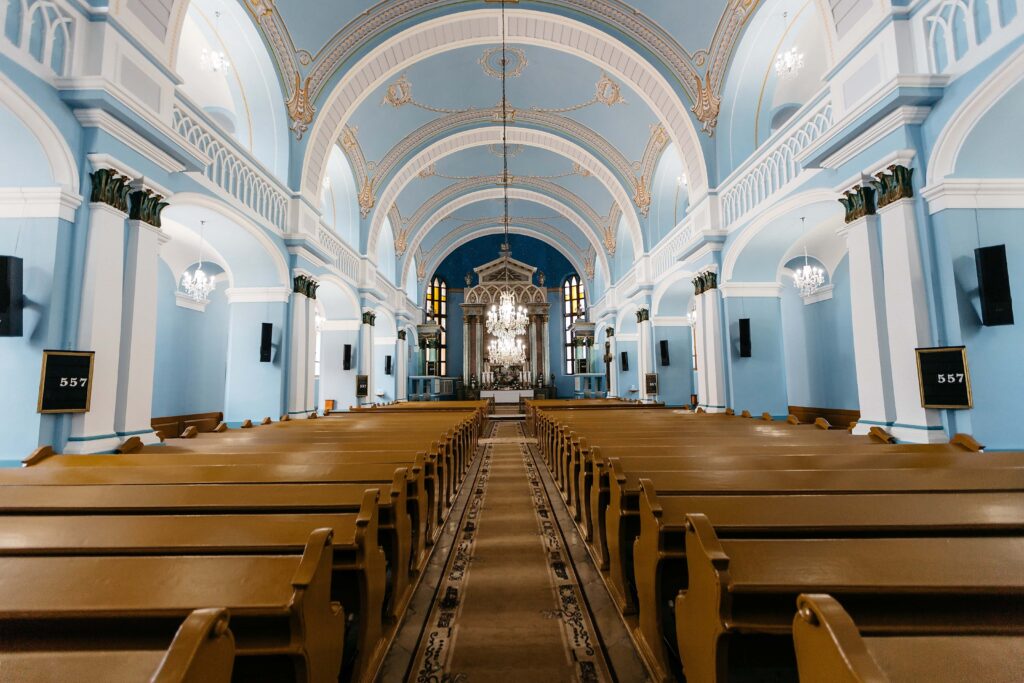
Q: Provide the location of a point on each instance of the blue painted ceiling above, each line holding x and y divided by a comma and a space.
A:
485, 249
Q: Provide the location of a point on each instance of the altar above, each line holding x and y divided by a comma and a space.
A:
506, 396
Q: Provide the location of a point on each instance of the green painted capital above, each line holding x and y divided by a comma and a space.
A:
111, 188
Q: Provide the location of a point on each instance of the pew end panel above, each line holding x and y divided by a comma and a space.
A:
38, 455
317, 632
622, 524
203, 650
828, 645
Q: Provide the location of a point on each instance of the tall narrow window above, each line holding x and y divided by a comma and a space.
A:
574, 307
437, 311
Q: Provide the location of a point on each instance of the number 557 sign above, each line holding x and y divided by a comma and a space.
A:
945, 380
66, 382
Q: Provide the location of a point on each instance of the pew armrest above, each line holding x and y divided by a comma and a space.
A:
828, 645
966, 442
203, 649
37, 456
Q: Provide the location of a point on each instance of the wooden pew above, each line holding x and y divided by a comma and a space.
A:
358, 565
741, 592
659, 556
202, 651
285, 625
829, 647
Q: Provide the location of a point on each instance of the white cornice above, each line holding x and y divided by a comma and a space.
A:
97, 118
975, 193
183, 300
38, 202
900, 157
751, 289
822, 294
900, 117
258, 295
340, 325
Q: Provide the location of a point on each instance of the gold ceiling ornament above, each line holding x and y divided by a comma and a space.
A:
499, 113
579, 170
367, 197
260, 8
609, 239
515, 62
399, 93
708, 105
642, 195
348, 138
421, 267
428, 172
513, 150
609, 93
589, 263
659, 136
401, 241
300, 109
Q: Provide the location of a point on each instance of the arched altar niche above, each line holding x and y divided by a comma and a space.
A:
505, 274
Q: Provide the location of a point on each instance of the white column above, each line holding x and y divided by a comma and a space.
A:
366, 352
138, 334
402, 368
646, 358
545, 348
466, 370
870, 334
613, 380
298, 350
310, 404
906, 307
710, 351
99, 328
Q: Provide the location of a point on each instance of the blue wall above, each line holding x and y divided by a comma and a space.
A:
455, 340
758, 383
676, 380
552, 263
255, 390
818, 338
191, 352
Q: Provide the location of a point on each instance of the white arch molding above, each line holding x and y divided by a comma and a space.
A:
949, 144
346, 291
437, 256
62, 162
497, 193
483, 27
490, 135
766, 218
205, 201
665, 284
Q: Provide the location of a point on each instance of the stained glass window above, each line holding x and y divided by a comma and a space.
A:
574, 307
437, 312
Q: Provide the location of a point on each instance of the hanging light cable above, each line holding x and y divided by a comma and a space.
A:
196, 285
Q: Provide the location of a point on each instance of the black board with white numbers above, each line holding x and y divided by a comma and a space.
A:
66, 382
362, 386
944, 378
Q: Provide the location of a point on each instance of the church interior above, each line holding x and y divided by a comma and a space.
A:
443, 341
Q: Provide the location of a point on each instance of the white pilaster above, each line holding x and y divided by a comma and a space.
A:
366, 353
310, 404
613, 380
870, 334
138, 334
710, 351
906, 306
402, 368
645, 329
298, 357
545, 348
99, 328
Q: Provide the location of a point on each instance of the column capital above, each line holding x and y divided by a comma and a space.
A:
402, 335
369, 318
110, 187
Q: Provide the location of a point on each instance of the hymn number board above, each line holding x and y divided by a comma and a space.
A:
66, 382
945, 380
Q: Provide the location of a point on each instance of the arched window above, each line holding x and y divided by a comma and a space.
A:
574, 307
437, 312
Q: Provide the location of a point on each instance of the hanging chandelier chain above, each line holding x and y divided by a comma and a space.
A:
504, 117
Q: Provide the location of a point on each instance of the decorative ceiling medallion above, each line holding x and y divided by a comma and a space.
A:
579, 170
589, 263
513, 150
300, 109
348, 138
609, 240
401, 241
609, 92
367, 198
708, 105
642, 196
399, 93
428, 172
515, 62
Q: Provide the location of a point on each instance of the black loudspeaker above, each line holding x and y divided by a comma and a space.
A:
387, 365
745, 338
663, 347
625, 361
266, 342
11, 296
994, 285
346, 362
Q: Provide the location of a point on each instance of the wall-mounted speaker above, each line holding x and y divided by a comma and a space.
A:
346, 362
994, 285
266, 342
625, 361
11, 296
663, 348
387, 365
745, 338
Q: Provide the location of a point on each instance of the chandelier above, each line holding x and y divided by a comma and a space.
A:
808, 279
507, 351
215, 61
197, 285
691, 314
506, 319
788, 63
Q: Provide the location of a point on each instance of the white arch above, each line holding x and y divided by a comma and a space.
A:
483, 27
58, 153
214, 204
516, 136
766, 218
345, 288
663, 286
950, 142
437, 256
513, 193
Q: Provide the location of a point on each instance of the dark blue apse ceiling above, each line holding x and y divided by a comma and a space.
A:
485, 249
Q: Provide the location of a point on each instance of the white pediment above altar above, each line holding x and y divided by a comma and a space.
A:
505, 269
506, 274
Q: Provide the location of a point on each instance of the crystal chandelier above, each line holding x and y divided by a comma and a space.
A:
507, 351
215, 61
788, 63
506, 319
691, 314
808, 279
197, 285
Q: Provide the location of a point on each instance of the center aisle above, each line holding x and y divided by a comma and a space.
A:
509, 607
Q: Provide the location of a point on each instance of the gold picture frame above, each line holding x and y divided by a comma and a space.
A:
967, 378
47, 354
